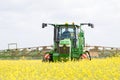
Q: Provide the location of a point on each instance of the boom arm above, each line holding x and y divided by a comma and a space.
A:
89, 24
45, 25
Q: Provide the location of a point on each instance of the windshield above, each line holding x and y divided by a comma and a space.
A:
65, 32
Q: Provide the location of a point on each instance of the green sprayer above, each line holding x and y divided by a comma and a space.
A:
69, 42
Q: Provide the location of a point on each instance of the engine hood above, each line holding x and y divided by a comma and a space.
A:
65, 42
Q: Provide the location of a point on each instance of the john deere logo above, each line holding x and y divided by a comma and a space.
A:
64, 46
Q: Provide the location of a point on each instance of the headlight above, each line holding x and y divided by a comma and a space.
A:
65, 45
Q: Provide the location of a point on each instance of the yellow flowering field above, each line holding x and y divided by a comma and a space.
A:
96, 69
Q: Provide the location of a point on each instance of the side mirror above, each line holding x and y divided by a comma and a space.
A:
44, 25
92, 26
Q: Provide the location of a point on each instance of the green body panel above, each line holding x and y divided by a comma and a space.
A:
81, 42
65, 42
55, 56
60, 57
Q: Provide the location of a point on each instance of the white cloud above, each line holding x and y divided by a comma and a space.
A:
20, 20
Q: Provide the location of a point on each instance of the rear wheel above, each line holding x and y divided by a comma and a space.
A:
86, 55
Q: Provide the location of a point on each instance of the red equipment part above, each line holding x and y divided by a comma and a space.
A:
84, 56
47, 56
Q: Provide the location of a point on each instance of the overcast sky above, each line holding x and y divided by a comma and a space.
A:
20, 21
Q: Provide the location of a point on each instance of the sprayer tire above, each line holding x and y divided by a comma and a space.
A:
88, 53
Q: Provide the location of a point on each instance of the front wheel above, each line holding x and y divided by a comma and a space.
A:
86, 55
47, 58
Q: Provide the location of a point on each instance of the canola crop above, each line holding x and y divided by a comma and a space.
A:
96, 69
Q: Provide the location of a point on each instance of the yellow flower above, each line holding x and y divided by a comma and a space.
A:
96, 69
